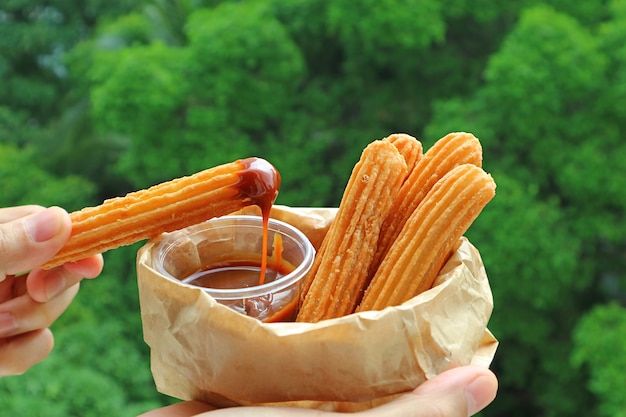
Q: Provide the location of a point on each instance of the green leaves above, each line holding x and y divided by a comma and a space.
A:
175, 86
548, 66
381, 31
558, 208
207, 99
599, 348
143, 82
528, 229
243, 62
33, 185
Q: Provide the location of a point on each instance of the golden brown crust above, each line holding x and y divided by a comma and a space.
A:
428, 237
162, 208
448, 152
409, 147
338, 277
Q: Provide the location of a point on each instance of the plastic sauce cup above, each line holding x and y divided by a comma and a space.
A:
222, 256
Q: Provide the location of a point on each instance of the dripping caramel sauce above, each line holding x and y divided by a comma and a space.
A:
259, 181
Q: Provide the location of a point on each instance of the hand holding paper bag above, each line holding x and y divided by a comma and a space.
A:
201, 350
459, 392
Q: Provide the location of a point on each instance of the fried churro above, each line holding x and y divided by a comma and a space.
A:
338, 276
409, 147
169, 206
448, 152
428, 237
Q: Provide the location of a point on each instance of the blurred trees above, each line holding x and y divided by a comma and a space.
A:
99, 98
545, 113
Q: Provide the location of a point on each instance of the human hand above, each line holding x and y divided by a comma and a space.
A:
459, 392
31, 302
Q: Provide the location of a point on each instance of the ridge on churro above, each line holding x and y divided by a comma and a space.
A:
428, 237
394, 251
450, 151
169, 206
341, 265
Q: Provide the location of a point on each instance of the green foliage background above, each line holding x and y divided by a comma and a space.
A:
98, 98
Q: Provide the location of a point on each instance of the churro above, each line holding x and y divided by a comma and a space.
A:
169, 206
409, 147
338, 276
429, 236
448, 152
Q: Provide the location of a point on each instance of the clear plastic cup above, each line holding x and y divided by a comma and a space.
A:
222, 256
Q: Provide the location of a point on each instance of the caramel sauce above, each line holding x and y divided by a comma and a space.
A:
260, 181
287, 313
243, 272
237, 273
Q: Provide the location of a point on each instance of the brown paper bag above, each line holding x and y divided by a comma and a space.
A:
202, 350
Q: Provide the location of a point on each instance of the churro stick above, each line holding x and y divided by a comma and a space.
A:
429, 236
169, 206
409, 147
338, 276
411, 150
448, 152
349, 194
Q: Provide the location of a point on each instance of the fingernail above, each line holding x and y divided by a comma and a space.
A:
7, 323
478, 394
43, 226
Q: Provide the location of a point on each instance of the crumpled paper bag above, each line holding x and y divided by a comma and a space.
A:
201, 350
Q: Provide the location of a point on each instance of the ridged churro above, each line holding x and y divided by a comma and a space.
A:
448, 152
409, 147
169, 206
338, 276
428, 237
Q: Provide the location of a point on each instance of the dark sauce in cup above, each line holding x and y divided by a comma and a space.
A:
243, 271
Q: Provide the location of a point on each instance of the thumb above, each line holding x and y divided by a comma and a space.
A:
28, 242
459, 392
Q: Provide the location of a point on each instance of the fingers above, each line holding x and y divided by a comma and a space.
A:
87, 268
182, 409
29, 241
8, 214
22, 314
29, 236
22, 352
43, 285
460, 392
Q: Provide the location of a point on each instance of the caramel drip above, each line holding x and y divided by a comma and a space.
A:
260, 181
